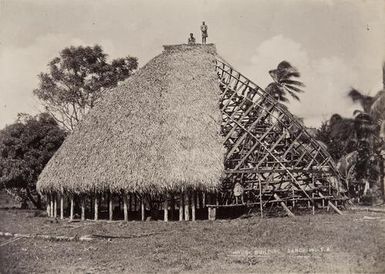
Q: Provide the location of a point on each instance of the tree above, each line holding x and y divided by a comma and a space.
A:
25, 148
77, 79
283, 82
359, 135
374, 110
338, 135
371, 105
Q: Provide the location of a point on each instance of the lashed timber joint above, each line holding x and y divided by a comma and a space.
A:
269, 152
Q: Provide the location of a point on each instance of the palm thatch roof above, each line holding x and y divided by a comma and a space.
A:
158, 131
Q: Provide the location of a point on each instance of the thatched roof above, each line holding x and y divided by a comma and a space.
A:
157, 131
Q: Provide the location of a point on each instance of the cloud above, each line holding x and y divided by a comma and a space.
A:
327, 79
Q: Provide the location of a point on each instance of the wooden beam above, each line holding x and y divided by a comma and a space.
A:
55, 206
96, 207
294, 182
203, 199
211, 210
186, 206
51, 204
244, 135
125, 206
142, 209
253, 105
71, 207
270, 151
225, 69
260, 197
209, 213
335, 208
313, 205
332, 205
62, 206
165, 209
82, 207
193, 206
251, 150
110, 209
289, 213
181, 206
48, 205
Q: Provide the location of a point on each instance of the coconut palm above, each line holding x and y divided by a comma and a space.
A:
371, 105
370, 125
284, 82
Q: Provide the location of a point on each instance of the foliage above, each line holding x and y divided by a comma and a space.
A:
77, 79
334, 146
283, 82
371, 105
344, 135
25, 148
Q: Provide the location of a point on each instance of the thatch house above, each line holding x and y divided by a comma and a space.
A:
181, 133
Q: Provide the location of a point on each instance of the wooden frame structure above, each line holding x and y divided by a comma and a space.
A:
269, 153
270, 160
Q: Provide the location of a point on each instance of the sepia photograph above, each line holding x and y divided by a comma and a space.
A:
192, 136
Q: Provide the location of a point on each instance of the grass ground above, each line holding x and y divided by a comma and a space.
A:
324, 243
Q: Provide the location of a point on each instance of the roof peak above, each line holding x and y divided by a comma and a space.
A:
186, 47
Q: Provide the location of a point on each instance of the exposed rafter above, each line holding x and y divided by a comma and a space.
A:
268, 151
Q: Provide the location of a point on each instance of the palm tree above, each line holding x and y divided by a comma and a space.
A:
283, 82
371, 123
371, 105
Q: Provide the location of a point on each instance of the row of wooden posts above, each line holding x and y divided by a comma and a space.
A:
188, 202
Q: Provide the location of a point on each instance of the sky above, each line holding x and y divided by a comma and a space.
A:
335, 44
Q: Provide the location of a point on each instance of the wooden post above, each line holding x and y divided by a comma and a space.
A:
289, 213
110, 209
209, 213
203, 199
186, 206
212, 212
51, 204
313, 209
82, 208
216, 201
125, 209
62, 206
71, 207
332, 205
48, 205
165, 209
96, 207
323, 202
193, 204
260, 198
55, 206
143, 209
181, 206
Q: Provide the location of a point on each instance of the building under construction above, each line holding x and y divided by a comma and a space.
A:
188, 136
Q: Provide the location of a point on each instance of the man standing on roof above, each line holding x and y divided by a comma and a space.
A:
204, 32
